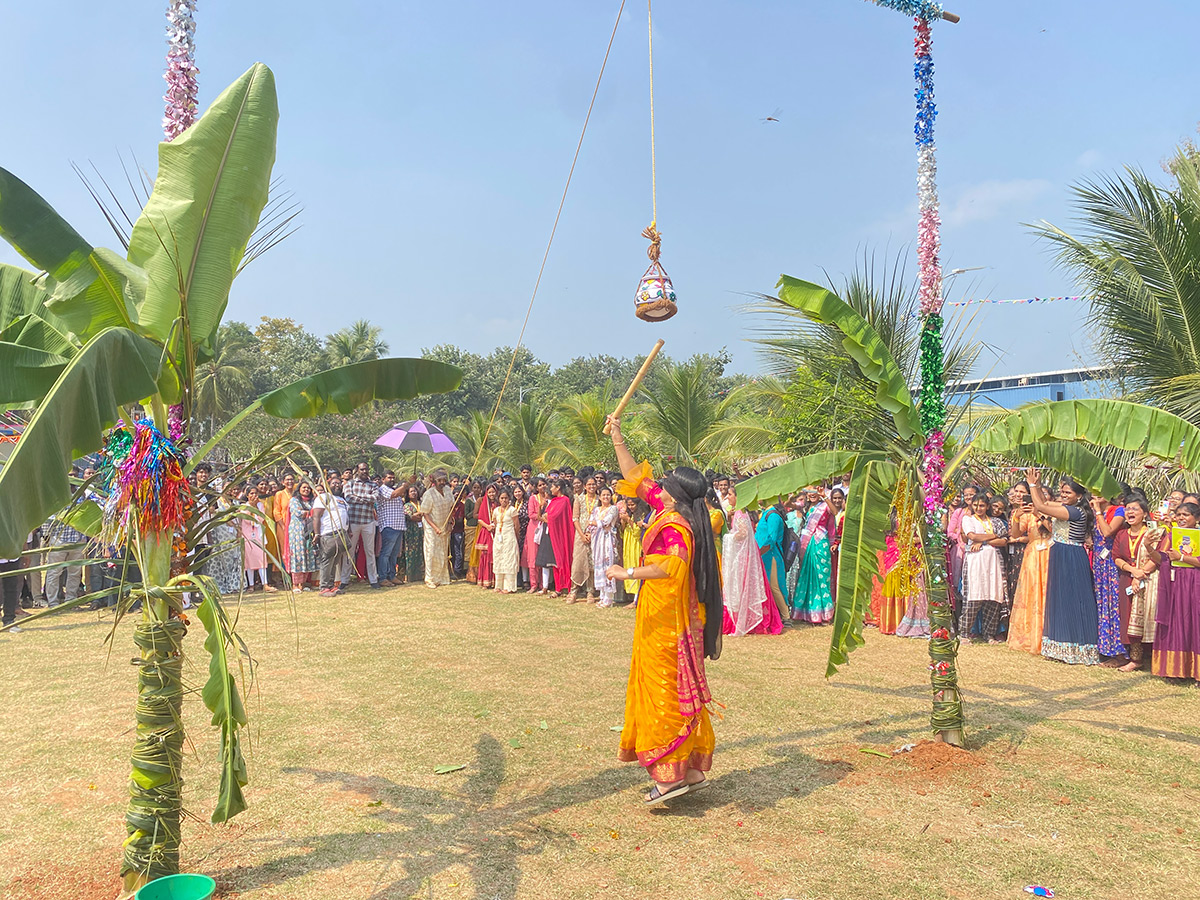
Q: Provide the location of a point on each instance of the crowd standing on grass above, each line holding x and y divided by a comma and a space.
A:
1050, 571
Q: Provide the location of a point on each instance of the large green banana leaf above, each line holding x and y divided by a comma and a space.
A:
210, 190
223, 699
31, 330
115, 367
1104, 423
1072, 459
786, 479
37, 232
346, 388
89, 289
864, 345
20, 294
26, 373
864, 531
104, 294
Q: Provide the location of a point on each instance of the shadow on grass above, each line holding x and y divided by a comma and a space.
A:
1020, 707
429, 832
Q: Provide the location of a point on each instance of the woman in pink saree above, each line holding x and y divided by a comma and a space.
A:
749, 606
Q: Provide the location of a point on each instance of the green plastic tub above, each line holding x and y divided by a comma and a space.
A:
177, 887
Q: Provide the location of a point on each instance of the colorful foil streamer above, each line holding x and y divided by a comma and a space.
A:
918, 9
181, 68
943, 649
147, 490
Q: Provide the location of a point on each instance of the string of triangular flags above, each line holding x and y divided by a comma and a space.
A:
1021, 300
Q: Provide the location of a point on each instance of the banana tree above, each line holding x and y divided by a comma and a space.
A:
887, 476
91, 335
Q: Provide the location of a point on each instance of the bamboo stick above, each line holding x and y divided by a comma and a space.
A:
637, 381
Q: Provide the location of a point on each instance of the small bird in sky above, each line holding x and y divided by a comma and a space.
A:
773, 117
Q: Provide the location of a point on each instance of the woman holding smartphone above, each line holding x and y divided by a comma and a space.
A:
1072, 627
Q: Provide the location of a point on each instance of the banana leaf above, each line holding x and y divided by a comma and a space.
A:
223, 699
105, 294
88, 289
790, 477
27, 374
346, 388
864, 529
114, 368
210, 190
864, 345
37, 232
31, 330
20, 296
1104, 423
1071, 459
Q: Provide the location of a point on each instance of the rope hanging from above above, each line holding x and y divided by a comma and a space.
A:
655, 296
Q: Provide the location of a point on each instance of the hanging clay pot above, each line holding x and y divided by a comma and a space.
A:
655, 295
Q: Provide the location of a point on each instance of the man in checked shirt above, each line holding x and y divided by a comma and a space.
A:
360, 494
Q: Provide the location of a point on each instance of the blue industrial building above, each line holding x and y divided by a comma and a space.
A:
1011, 391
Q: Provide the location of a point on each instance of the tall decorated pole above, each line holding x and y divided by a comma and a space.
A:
947, 719
147, 513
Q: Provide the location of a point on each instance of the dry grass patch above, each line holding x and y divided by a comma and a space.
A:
1084, 780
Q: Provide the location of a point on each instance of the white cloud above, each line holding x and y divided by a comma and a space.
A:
1089, 159
990, 199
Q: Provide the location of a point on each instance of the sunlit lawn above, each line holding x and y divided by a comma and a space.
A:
1084, 780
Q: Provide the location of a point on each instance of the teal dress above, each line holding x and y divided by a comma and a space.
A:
769, 536
812, 600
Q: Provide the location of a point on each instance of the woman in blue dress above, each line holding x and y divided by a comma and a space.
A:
1110, 519
769, 537
1072, 623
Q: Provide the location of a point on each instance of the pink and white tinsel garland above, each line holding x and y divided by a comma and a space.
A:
181, 68
180, 113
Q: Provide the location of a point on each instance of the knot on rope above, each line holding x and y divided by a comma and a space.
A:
654, 251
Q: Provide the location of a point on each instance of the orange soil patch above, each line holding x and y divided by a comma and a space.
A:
937, 758
927, 761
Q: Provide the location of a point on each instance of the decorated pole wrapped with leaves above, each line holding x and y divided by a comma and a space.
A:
947, 717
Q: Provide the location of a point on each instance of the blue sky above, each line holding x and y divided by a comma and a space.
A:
429, 142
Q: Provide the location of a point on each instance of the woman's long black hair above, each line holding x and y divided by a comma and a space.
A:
690, 490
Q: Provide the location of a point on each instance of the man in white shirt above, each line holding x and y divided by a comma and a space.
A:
330, 520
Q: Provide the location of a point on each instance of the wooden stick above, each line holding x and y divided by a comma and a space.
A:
950, 17
637, 381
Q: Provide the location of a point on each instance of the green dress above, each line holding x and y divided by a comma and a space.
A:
414, 544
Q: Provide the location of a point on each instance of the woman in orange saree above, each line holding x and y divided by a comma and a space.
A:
679, 615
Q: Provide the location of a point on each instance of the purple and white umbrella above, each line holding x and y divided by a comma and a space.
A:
417, 434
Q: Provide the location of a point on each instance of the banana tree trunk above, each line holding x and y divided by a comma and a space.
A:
156, 782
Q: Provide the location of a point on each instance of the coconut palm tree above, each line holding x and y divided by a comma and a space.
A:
532, 435
1135, 254
887, 474
583, 417
478, 442
223, 380
358, 342
95, 334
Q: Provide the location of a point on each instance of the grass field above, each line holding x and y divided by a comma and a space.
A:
1084, 780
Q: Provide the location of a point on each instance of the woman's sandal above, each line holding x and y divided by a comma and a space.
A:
698, 785
657, 795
